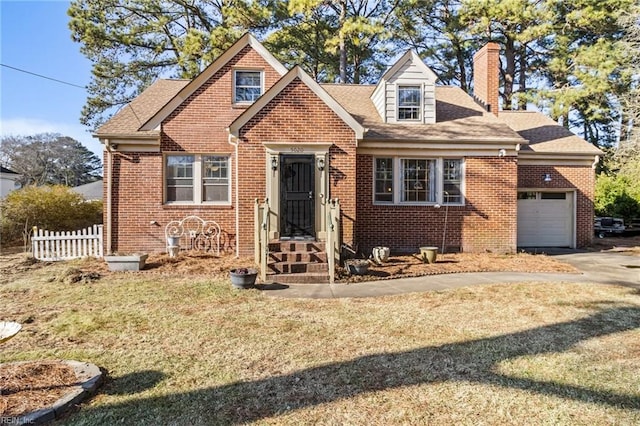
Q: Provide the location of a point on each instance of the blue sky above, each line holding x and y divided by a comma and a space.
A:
34, 36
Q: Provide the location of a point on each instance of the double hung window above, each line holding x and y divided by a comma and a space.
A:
247, 86
384, 180
180, 178
409, 103
198, 179
452, 181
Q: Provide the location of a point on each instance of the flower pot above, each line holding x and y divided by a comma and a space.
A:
243, 277
381, 254
173, 246
132, 262
428, 254
358, 267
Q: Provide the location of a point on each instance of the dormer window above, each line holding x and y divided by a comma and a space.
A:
247, 86
409, 103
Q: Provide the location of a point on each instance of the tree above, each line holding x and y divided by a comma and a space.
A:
626, 158
617, 196
133, 42
341, 40
302, 40
516, 25
50, 158
436, 31
587, 67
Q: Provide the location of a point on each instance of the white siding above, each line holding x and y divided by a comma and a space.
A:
407, 71
410, 74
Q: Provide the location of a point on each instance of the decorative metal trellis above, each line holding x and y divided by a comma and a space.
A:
192, 233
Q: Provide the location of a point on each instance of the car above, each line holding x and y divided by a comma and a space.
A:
604, 226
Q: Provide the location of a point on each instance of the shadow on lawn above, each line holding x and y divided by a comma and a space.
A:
133, 383
472, 362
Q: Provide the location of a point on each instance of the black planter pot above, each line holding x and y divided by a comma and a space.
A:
246, 278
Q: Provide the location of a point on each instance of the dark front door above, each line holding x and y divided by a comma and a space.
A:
297, 215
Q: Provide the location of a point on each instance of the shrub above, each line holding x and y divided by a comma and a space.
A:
616, 196
55, 208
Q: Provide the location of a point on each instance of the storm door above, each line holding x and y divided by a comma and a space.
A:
297, 186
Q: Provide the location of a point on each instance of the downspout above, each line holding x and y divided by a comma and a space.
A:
109, 148
237, 193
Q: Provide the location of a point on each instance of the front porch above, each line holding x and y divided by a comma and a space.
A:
301, 259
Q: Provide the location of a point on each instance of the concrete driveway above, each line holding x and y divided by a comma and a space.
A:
620, 268
599, 267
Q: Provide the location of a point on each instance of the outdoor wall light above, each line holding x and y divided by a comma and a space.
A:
502, 152
546, 177
274, 163
320, 163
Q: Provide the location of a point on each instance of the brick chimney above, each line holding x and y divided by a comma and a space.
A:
486, 68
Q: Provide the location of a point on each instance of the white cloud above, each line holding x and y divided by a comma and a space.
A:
33, 126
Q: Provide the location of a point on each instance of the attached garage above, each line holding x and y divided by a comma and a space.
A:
546, 219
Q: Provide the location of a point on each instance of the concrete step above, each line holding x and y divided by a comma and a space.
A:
304, 278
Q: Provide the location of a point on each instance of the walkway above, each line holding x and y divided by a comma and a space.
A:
595, 267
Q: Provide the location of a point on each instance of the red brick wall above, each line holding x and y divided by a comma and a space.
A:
296, 115
136, 205
580, 178
487, 221
197, 126
486, 79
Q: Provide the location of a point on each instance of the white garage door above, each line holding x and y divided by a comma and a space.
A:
545, 219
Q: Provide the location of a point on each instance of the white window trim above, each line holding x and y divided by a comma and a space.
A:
198, 180
233, 84
420, 87
397, 181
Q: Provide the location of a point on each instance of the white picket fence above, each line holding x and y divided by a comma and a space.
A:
53, 246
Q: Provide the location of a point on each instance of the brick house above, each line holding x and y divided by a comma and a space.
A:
402, 156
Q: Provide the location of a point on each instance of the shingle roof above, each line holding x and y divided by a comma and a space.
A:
545, 135
132, 116
458, 117
90, 191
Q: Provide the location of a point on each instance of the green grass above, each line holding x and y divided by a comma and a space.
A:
188, 351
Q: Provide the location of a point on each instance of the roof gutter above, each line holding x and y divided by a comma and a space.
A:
136, 136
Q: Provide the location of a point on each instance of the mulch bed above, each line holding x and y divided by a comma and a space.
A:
412, 266
29, 386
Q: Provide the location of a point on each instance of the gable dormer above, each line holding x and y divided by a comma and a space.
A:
406, 93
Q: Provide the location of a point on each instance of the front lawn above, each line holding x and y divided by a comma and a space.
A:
189, 350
